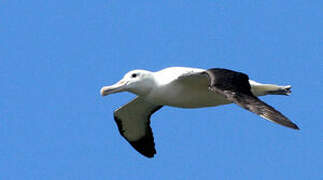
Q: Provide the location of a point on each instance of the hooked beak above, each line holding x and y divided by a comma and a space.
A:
118, 87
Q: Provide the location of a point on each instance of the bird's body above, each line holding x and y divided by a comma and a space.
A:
186, 88
170, 87
171, 90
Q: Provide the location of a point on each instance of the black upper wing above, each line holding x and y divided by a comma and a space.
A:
236, 88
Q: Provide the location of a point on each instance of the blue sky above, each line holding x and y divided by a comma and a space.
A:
56, 55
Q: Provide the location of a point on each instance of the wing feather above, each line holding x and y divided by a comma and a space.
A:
235, 87
133, 121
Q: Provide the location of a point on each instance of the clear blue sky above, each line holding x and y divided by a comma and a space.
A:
56, 55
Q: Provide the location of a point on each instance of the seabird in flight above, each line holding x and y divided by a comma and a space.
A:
187, 88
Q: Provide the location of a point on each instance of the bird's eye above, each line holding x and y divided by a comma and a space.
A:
133, 75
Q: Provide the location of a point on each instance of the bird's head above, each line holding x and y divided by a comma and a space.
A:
138, 82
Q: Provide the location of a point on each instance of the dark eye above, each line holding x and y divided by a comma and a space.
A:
134, 75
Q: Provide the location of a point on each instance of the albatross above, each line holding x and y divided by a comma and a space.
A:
187, 88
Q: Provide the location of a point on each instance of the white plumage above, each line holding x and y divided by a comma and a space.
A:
186, 88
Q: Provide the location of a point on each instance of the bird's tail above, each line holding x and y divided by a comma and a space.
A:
281, 90
259, 89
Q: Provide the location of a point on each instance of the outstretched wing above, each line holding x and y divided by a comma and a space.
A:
235, 87
133, 120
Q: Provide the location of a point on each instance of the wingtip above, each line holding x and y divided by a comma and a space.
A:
145, 146
276, 117
294, 126
290, 125
150, 156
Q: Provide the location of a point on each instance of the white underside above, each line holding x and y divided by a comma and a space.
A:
186, 96
192, 92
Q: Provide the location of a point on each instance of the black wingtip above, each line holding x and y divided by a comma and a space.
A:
145, 146
288, 124
149, 156
294, 126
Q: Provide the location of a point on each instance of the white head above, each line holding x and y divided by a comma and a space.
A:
139, 82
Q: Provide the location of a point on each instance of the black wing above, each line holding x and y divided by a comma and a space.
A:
133, 120
235, 87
